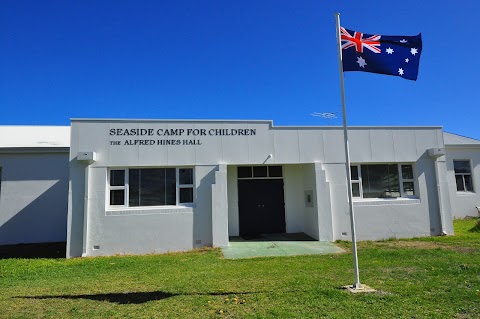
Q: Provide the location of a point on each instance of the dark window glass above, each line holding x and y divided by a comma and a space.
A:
468, 183
459, 181
186, 195
407, 171
260, 171
134, 185
356, 190
244, 171
461, 167
380, 181
152, 187
117, 177
275, 171
117, 197
354, 172
185, 176
408, 188
463, 176
170, 187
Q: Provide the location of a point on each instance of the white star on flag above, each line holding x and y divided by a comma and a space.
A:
389, 50
413, 51
361, 62
400, 71
407, 60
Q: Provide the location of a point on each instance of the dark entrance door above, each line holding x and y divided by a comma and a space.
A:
261, 206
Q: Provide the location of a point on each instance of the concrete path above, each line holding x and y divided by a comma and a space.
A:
277, 245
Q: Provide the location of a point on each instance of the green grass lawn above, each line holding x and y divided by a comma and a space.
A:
435, 277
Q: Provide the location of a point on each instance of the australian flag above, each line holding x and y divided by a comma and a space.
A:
391, 55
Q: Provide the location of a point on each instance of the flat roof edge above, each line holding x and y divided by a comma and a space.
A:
162, 120
462, 145
270, 122
33, 149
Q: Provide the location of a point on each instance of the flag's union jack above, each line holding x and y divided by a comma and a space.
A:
359, 42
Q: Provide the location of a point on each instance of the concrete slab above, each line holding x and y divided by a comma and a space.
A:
362, 289
267, 245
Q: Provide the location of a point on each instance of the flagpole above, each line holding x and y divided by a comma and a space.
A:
357, 284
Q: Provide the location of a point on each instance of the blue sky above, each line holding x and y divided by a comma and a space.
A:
217, 59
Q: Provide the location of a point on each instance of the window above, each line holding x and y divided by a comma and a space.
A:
382, 180
463, 176
259, 171
136, 187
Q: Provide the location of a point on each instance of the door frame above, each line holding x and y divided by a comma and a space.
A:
267, 177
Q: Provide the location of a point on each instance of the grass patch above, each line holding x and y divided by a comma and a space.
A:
434, 277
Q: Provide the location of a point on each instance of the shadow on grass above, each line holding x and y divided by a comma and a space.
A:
132, 297
32, 251
476, 228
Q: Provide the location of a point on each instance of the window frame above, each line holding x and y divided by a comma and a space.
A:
401, 181
470, 173
126, 188
267, 167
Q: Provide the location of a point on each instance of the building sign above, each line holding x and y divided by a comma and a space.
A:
171, 136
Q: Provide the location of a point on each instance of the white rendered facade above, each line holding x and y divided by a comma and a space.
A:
465, 200
106, 175
312, 165
34, 172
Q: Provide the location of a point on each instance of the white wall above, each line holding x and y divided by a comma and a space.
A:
33, 198
383, 218
464, 203
137, 230
313, 159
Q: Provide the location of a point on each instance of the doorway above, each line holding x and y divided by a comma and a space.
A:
261, 206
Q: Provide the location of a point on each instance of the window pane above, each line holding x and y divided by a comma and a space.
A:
117, 197
461, 166
407, 171
380, 181
468, 183
152, 187
408, 188
354, 172
185, 176
170, 187
275, 171
244, 171
186, 195
117, 177
134, 187
459, 181
260, 171
355, 189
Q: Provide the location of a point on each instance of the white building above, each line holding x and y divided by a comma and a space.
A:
463, 165
145, 186
33, 183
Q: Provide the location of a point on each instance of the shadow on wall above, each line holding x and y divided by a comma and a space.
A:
428, 168
43, 220
202, 218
